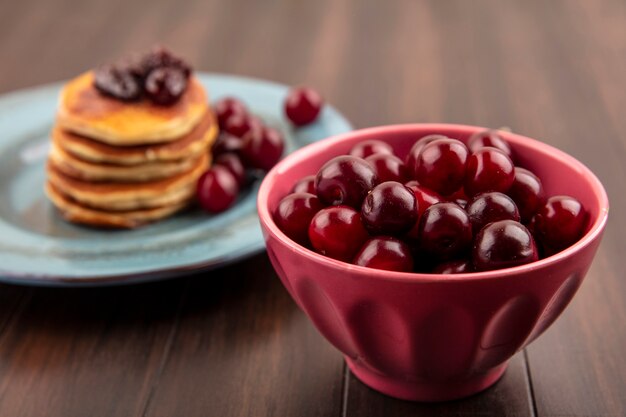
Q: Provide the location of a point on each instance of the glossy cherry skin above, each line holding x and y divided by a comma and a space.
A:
385, 252
240, 123
440, 165
217, 189
424, 198
411, 158
457, 266
503, 244
337, 232
445, 231
226, 107
371, 147
527, 192
389, 209
491, 138
388, 167
226, 143
232, 162
303, 105
345, 180
305, 185
490, 207
488, 169
294, 213
262, 149
559, 223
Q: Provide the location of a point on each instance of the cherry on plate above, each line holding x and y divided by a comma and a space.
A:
294, 213
240, 123
371, 147
337, 232
503, 244
345, 180
559, 223
303, 105
305, 185
227, 107
488, 169
388, 167
262, 148
385, 252
489, 138
527, 192
445, 230
440, 165
226, 143
232, 162
490, 207
390, 208
217, 189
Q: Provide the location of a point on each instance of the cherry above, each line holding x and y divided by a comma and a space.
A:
503, 244
294, 213
490, 207
226, 143
425, 198
303, 105
337, 232
226, 107
388, 167
385, 252
371, 147
117, 82
165, 85
445, 230
489, 138
305, 185
559, 223
411, 157
527, 192
390, 208
239, 124
217, 189
458, 266
440, 165
345, 180
262, 149
488, 169
232, 162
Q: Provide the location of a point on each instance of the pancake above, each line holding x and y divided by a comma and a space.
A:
192, 144
84, 110
88, 171
126, 196
76, 213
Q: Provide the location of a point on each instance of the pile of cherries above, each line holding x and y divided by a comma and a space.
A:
445, 208
158, 75
246, 146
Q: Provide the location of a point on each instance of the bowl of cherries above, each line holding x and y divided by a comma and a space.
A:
429, 254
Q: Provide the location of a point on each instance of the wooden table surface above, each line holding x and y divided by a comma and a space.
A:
231, 342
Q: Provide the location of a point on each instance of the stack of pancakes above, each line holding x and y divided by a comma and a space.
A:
123, 164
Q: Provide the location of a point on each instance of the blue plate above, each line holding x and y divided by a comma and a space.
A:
38, 247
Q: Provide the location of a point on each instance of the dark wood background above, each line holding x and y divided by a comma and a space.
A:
231, 342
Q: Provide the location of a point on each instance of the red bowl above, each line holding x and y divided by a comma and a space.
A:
422, 336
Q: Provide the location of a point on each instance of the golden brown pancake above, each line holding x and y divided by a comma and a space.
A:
192, 144
84, 110
88, 171
77, 213
126, 196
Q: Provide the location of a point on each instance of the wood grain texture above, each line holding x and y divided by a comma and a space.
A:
231, 342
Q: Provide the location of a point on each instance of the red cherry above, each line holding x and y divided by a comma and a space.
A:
489, 138
294, 213
262, 149
226, 107
232, 162
503, 244
226, 143
337, 232
425, 198
390, 208
458, 266
445, 230
527, 192
411, 157
303, 105
488, 169
385, 252
440, 165
217, 189
371, 147
345, 180
305, 185
559, 223
490, 207
388, 167
239, 124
